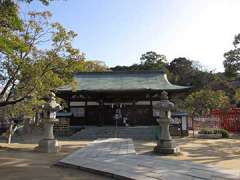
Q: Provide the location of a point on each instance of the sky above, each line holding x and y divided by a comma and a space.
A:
118, 32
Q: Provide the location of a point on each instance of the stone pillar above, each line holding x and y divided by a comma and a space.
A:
48, 130
162, 111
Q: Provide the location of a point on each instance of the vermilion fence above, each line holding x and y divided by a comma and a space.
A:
229, 120
198, 123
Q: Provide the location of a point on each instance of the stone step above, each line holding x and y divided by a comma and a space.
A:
137, 133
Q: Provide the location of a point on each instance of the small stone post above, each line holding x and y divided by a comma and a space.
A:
49, 144
162, 111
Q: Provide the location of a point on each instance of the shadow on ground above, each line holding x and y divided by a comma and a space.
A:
21, 162
222, 152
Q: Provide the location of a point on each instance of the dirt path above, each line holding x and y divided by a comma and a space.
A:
222, 153
21, 162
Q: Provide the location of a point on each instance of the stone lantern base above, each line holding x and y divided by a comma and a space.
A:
166, 147
48, 146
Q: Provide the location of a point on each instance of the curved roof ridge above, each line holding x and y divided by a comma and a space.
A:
122, 81
123, 72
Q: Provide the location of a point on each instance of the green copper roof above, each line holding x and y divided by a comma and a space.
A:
109, 81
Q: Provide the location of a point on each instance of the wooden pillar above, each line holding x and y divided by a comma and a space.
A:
151, 105
100, 113
150, 96
68, 102
86, 109
181, 126
134, 112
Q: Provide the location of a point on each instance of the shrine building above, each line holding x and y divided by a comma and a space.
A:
101, 98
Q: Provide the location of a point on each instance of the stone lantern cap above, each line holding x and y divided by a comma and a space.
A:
50, 109
164, 103
52, 105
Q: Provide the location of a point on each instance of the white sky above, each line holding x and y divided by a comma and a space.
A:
208, 33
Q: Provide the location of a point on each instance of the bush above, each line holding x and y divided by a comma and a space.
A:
225, 133
206, 131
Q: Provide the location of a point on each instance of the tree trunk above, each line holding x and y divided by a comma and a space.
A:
193, 126
9, 134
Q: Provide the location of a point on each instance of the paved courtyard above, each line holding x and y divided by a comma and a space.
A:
117, 158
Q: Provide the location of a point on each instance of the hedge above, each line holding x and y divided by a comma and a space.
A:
225, 133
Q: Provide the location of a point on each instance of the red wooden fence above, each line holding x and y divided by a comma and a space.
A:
229, 120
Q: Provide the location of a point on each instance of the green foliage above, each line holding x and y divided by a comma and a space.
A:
24, 108
237, 95
180, 71
232, 59
149, 61
27, 70
153, 61
181, 65
225, 133
187, 72
232, 62
203, 101
44, 2
9, 18
92, 66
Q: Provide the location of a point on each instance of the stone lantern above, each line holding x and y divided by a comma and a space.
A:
49, 143
162, 112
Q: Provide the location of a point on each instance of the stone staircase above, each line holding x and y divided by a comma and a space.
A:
136, 133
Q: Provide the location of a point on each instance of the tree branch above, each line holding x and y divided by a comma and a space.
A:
11, 80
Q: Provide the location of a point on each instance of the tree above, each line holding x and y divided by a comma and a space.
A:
22, 115
36, 56
187, 72
94, 66
202, 102
27, 71
232, 59
148, 61
152, 57
9, 17
237, 97
181, 68
9, 14
153, 61
134, 67
25, 68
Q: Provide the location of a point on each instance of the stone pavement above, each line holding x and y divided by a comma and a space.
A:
117, 158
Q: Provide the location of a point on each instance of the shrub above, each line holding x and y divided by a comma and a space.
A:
205, 131
225, 133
